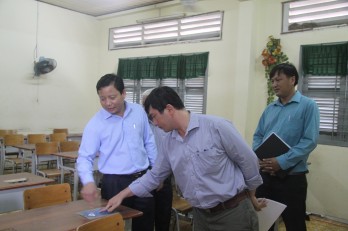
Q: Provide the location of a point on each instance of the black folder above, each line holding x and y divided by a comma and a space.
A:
273, 146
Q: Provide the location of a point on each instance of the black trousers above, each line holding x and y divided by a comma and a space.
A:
113, 184
291, 191
163, 206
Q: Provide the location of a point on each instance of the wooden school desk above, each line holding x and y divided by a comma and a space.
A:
11, 194
62, 217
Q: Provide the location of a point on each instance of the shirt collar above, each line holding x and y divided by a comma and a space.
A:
193, 123
107, 115
296, 98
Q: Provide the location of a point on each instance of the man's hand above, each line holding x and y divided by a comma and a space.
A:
258, 203
115, 201
269, 165
159, 187
90, 192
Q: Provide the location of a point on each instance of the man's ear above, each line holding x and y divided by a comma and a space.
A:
123, 93
170, 108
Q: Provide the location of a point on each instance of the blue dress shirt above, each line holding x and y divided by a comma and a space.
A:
125, 144
297, 123
211, 164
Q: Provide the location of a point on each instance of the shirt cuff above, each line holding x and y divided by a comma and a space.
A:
138, 190
87, 179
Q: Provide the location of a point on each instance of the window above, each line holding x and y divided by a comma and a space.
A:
325, 80
311, 14
198, 28
186, 74
191, 91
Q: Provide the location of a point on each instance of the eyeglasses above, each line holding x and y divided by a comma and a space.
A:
152, 116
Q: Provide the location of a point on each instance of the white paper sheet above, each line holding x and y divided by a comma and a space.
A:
268, 215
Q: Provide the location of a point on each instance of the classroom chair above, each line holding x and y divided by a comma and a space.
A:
69, 146
14, 162
46, 196
43, 153
58, 137
61, 130
111, 222
180, 207
36, 138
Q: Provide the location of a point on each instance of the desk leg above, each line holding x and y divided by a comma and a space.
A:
2, 159
76, 183
33, 163
22, 157
60, 164
21, 153
128, 225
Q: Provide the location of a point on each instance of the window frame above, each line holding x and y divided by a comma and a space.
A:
168, 31
331, 96
135, 88
311, 15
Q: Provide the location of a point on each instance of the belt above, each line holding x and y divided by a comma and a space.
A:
139, 174
298, 173
133, 175
229, 204
283, 174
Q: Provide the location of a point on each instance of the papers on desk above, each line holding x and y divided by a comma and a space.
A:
95, 213
18, 180
268, 215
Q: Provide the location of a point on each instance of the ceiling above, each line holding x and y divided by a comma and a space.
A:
102, 7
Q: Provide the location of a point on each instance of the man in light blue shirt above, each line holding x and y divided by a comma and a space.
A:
295, 119
215, 169
122, 138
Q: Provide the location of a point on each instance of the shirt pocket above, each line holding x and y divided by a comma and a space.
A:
207, 160
295, 128
133, 132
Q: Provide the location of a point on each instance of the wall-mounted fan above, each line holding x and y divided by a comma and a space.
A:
188, 3
44, 66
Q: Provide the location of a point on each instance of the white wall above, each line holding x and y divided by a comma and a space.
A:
66, 97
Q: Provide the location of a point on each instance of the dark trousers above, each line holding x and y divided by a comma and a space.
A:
113, 184
163, 206
291, 191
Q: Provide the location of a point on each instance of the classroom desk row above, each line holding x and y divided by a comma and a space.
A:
61, 155
11, 193
63, 217
30, 148
70, 136
58, 217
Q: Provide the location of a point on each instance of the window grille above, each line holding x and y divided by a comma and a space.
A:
191, 91
311, 14
325, 80
194, 28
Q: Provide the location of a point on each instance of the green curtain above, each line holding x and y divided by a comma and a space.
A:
173, 66
325, 59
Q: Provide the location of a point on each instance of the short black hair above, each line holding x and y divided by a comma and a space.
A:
109, 79
160, 97
287, 69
